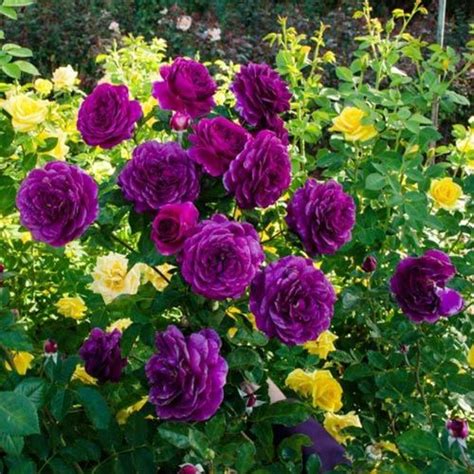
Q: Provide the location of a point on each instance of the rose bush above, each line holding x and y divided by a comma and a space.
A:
189, 244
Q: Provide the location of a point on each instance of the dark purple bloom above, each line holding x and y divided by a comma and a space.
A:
159, 174
189, 469
221, 257
322, 215
172, 225
186, 87
187, 375
369, 264
107, 116
260, 173
102, 355
50, 346
261, 94
57, 203
419, 286
458, 428
292, 300
215, 143
180, 122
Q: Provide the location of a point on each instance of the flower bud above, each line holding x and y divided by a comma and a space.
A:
50, 347
190, 469
458, 428
180, 121
2, 269
369, 264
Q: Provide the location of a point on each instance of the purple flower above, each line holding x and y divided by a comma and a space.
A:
261, 94
50, 346
57, 203
102, 356
369, 264
215, 143
180, 122
260, 173
322, 215
221, 257
186, 87
292, 300
172, 225
107, 117
419, 286
159, 174
458, 428
187, 375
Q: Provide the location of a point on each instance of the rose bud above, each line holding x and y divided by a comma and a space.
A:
369, 264
50, 346
190, 469
180, 121
458, 428
2, 269
172, 225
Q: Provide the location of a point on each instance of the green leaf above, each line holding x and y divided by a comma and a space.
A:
460, 383
375, 182
12, 444
417, 443
291, 448
17, 3
61, 403
27, 67
245, 457
175, 433
34, 389
284, 412
12, 70
357, 371
243, 357
18, 415
344, 73
95, 406
8, 12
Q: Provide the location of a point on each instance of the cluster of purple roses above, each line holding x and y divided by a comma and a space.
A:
219, 258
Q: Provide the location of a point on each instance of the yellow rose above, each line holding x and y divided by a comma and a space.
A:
349, 122
445, 193
25, 237
72, 307
470, 357
61, 149
122, 415
111, 278
43, 86
327, 393
27, 113
300, 381
64, 78
147, 107
120, 324
81, 375
21, 361
466, 144
322, 346
335, 424
150, 275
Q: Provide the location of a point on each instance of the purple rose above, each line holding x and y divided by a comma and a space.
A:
172, 225
458, 428
186, 87
159, 174
322, 215
215, 143
180, 122
102, 355
107, 116
260, 173
221, 257
261, 94
57, 203
277, 126
419, 286
187, 375
292, 300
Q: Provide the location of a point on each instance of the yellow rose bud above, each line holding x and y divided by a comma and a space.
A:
120, 324
322, 346
64, 78
445, 193
300, 381
81, 375
43, 86
470, 357
21, 361
327, 392
349, 122
72, 307
26, 112
335, 424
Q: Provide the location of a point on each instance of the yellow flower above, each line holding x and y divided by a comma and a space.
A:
21, 361
329, 57
300, 381
61, 149
322, 346
43, 86
111, 278
389, 446
445, 192
466, 144
124, 413
327, 392
349, 122
470, 357
64, 78
120, 324
147, 107
72, 307
81, 375
25, 237
335, 424
26, 112
150, 275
